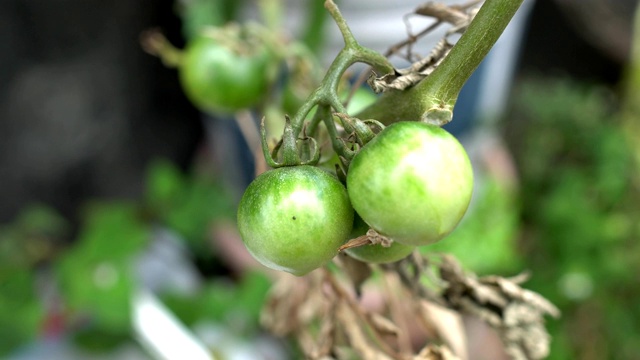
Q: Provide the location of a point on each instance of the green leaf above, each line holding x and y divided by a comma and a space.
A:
187, 204
98, 340
112, 231
41, 219
99, 288
32, 236
164, 185
96, 276
202, 202
21, 312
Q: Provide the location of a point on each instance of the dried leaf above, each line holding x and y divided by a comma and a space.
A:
442, 12
458, 16
280, 309
447, 324
403, 79
517, 314
328, 321
383, 325
325, 339
356, 334
514, 291
434, 352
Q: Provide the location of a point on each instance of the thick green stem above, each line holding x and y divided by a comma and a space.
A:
434, 97
631, 101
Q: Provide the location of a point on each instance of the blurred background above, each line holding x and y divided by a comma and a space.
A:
118, 194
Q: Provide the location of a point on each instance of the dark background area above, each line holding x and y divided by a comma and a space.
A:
83, 108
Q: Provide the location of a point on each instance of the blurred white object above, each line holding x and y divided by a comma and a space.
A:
161, 333
165, 265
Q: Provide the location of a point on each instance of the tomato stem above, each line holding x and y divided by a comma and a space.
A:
631, 99
327, 94
155, 43
347, 35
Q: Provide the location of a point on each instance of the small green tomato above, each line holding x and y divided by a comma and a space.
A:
412, 183
295, 218
221, 78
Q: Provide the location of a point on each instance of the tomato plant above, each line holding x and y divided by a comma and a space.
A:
221, 76
412, 183
295, 218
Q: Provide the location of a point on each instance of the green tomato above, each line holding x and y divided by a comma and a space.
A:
412, 183
295, 218
220, 79
376, 254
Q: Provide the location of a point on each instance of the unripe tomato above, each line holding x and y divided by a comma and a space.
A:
412, 183
219, 77
295, 218
376, 254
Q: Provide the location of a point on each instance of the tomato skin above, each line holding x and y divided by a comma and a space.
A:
413, 183
376, 254
218, 79
295, 218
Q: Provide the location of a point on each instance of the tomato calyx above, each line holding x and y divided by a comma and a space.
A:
359, 133
362, 130
307, 154
245, 39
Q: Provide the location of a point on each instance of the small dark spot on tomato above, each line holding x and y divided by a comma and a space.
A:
293, 218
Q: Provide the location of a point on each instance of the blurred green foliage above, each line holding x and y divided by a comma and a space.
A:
21, 313
95, 275
186, 204
24, 244
579, 212
235, 305
485, 241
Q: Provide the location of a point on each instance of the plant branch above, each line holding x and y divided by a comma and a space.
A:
327, 93
434, 97
631, 101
